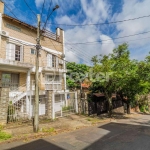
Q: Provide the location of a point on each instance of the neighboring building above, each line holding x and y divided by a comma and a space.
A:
17, 61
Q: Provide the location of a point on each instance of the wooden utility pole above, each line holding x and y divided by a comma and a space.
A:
36, 106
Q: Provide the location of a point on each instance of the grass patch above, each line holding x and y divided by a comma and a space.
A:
66, 108
89, 119
4, 136
93, 120
48, 130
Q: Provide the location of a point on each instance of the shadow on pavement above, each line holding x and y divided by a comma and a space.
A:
37, 145
123, 137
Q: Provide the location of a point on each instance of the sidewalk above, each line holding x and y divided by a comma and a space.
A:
73, 122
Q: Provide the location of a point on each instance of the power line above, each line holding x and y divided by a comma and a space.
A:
9, 10
30, 8
104, 23
108, 39
42, 8
48, 15
86, 60
79, 50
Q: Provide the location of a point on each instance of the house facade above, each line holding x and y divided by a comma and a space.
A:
17, 61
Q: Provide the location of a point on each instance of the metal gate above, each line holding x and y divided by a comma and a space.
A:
23, 109
65, 104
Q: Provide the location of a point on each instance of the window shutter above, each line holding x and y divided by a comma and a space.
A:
21, 53
57, 62
49, 60
10, 51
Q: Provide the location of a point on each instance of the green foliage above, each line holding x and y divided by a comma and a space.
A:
76, 74
48, 130
4, 136
66, 108
116, 73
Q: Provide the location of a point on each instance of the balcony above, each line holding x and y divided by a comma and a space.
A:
15, 63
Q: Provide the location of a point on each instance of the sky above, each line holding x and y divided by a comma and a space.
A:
81, 12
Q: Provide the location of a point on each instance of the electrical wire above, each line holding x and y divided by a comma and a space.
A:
42, 8
9, 10
104, 23
48, 15
30, 8
109, 39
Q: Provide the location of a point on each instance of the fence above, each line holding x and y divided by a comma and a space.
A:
51, 105
65, 104
23, 109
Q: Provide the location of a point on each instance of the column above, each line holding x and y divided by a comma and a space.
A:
28, 90
49, 104
4, 100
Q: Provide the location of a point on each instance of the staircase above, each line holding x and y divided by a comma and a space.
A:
18, 93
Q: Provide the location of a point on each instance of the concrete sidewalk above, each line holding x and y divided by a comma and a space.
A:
122, 134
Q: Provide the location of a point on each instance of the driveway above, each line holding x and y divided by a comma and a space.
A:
125, 134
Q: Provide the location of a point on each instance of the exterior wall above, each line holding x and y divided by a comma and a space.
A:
52, 44
0, 77
119, 110
28, 35
22, 81
4, 99
1, 7
3, 48
25, 33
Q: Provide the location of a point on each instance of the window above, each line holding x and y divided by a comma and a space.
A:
17, 53
49, 78
33, 51
14, 52
52, 61
10, 80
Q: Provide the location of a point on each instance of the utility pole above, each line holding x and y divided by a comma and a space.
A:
36, 106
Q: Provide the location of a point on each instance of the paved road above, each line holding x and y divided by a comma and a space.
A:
127, 134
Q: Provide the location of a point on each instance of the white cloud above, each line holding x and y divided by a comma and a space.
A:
64, 20
71, 57
133, 9
107, 47
94, 11
38, 2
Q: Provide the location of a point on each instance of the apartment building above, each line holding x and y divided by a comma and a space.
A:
17, 61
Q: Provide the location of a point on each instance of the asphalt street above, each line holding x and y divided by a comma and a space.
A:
125, 134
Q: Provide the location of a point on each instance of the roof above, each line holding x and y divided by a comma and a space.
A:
102, 95
20, 22
84, 85
46, 33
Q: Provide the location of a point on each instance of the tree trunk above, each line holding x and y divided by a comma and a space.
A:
110, 107
128, 108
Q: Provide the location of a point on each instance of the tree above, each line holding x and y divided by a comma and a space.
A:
76, 73
116, 73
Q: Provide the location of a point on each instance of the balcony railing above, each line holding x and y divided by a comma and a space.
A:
55, 85
12, 86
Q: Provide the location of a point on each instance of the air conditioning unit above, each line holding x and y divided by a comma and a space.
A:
60, 61
4, 33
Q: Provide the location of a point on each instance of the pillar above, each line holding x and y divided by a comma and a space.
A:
28, 90
49, 111
4, 100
